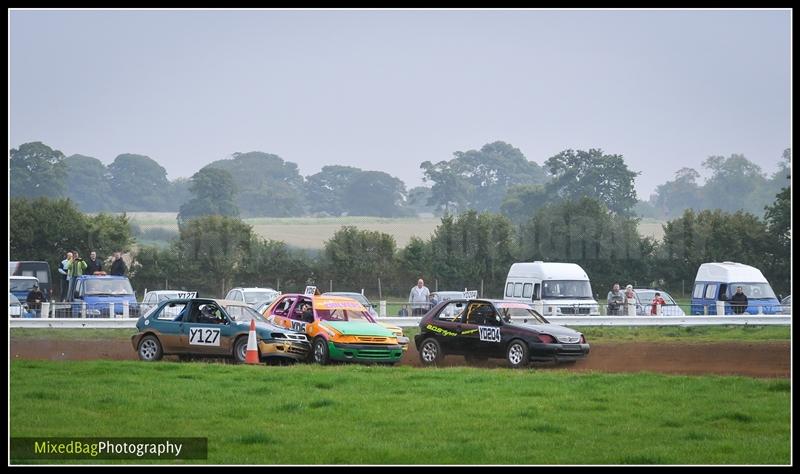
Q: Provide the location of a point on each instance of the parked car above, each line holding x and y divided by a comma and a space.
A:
99, 293
718, 282
212, 328
153, 298
479, 329
644, 303
37, 269
252, 296
339, 328
20, 286
17, 309
563, 288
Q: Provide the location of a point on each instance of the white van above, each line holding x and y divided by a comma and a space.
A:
563, 288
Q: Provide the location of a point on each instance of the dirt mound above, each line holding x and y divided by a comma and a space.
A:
767, 359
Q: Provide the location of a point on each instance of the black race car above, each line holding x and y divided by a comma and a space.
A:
479, 329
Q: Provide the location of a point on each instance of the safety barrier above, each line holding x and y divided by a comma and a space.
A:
744, 320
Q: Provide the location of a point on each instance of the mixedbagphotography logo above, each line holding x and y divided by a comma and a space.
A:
108, 448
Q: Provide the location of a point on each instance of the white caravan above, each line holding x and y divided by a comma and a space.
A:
561, 288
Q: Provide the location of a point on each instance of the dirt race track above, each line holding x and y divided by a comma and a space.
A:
753, 359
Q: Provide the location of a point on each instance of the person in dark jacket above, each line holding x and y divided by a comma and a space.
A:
35, 298
118, 265
93, 265
739, 301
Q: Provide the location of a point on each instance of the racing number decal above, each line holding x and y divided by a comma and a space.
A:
489, 334
298, 326
204, 336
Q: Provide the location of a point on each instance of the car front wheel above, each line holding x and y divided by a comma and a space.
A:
517, 354
150, 349
320, 354
430, 352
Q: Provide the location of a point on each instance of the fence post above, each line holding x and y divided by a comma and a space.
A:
44, 311
83, 309
279, 285
383, 308
111, 313
330, 285
436, 285
705, 310
52, 311
380, 294
125, 310
720, 308
481, 287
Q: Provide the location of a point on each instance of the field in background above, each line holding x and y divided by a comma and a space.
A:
308, 414
312, 232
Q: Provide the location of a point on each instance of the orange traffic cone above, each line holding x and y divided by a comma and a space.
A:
252, 349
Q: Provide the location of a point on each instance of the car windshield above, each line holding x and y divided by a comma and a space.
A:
243, 313
647, 296
108, 287
21, 285
251, 297
515, 310
752, 290
566, 289
344, 315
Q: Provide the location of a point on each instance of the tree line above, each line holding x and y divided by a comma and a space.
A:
497, 178
472, 249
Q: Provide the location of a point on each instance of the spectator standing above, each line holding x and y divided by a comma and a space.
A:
118, 265
63, 269
657, 301
403, 310
76, 269
630, 297
739, 301
35, 298
615, 300
93, 265
418, 298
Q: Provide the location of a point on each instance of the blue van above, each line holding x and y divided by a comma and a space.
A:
99, 292
37, 269
718, 281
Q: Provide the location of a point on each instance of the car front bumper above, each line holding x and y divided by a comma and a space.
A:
295, 350
365, 352
540, 352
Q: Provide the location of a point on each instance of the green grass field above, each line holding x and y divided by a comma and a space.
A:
312, 232
363, 415
595, 334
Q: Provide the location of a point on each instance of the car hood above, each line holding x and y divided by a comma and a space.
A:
358, 328
552, 329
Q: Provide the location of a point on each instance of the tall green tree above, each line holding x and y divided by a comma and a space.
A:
522, 202
684, 192
45, 229
139, 183
479, 179
213, 192
267, 185
594, 174
88, 184
375, 193
356, 258
36, 171
325, 190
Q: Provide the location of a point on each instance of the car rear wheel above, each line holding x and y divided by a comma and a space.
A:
150, 349
517, 354
320, 354
430, 352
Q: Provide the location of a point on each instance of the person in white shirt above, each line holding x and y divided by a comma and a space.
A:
419, 298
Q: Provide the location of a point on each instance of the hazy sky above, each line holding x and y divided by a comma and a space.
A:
389, 90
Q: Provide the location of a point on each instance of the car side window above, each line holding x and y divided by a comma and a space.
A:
170, 311
481, 314
711, 292
283, 307
527, 290
451, 312
510, 289
517, 290
698, 291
